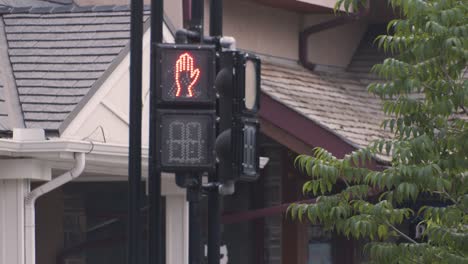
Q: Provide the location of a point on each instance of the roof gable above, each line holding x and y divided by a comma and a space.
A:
102, 116
58, 57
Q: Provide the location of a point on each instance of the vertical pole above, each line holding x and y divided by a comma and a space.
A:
134, 162
155, 228
214, 222
216, 18
194, 188
186, 12
214, 203
197, 17
193, 197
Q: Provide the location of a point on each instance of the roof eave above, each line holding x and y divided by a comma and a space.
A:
102, 158
292, 128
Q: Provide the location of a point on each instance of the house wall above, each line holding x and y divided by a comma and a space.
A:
239, 237
273, 31
335, 46
272, 179
49, 226
327, 3
294, 232
262, 29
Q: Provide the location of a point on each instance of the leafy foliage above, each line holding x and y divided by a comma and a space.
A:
425, 97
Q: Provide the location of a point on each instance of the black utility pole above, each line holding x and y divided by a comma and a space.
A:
214, 203
216, 18
155, 236
134, 160
195, 179
193, 197
196, 23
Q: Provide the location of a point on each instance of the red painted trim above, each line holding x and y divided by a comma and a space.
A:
258, 213
297, 6
301, 127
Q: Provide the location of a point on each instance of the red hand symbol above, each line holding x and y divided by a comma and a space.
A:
185, 64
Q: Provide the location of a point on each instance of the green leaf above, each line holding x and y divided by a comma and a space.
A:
424, 93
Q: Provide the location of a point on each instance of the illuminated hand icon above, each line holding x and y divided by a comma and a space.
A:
184, 66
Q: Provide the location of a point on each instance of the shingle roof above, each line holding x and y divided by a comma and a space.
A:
30, 3
58, 53
3, 110
338, 101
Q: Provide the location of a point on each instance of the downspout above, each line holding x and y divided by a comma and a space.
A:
29, 201
305, 34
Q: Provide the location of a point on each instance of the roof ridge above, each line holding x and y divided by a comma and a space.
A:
66, 9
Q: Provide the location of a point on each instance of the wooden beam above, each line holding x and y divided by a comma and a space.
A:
284, 138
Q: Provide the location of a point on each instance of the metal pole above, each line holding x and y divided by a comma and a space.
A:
194, 187
216, 18
134, 162
214, 222
193, 197
155, 229
214, 203
186, 12
197, 17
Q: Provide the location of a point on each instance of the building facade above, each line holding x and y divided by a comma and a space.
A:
64, 88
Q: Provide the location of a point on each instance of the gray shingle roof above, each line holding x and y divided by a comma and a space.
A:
338, 101
30, 3
3, 110
57, 57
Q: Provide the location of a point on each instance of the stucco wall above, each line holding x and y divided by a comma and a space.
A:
327, 3
274, 31
334, 46
262, 29
254, 31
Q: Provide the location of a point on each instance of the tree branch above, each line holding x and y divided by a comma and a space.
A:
401, 233
450, 79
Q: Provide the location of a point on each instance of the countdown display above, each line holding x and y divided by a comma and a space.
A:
187, 74
246, 146
249, 157
187, 139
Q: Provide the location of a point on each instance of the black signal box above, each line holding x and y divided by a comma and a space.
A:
186, 113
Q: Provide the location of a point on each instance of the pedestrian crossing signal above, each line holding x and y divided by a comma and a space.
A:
187, 73
185, 101
186, 138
